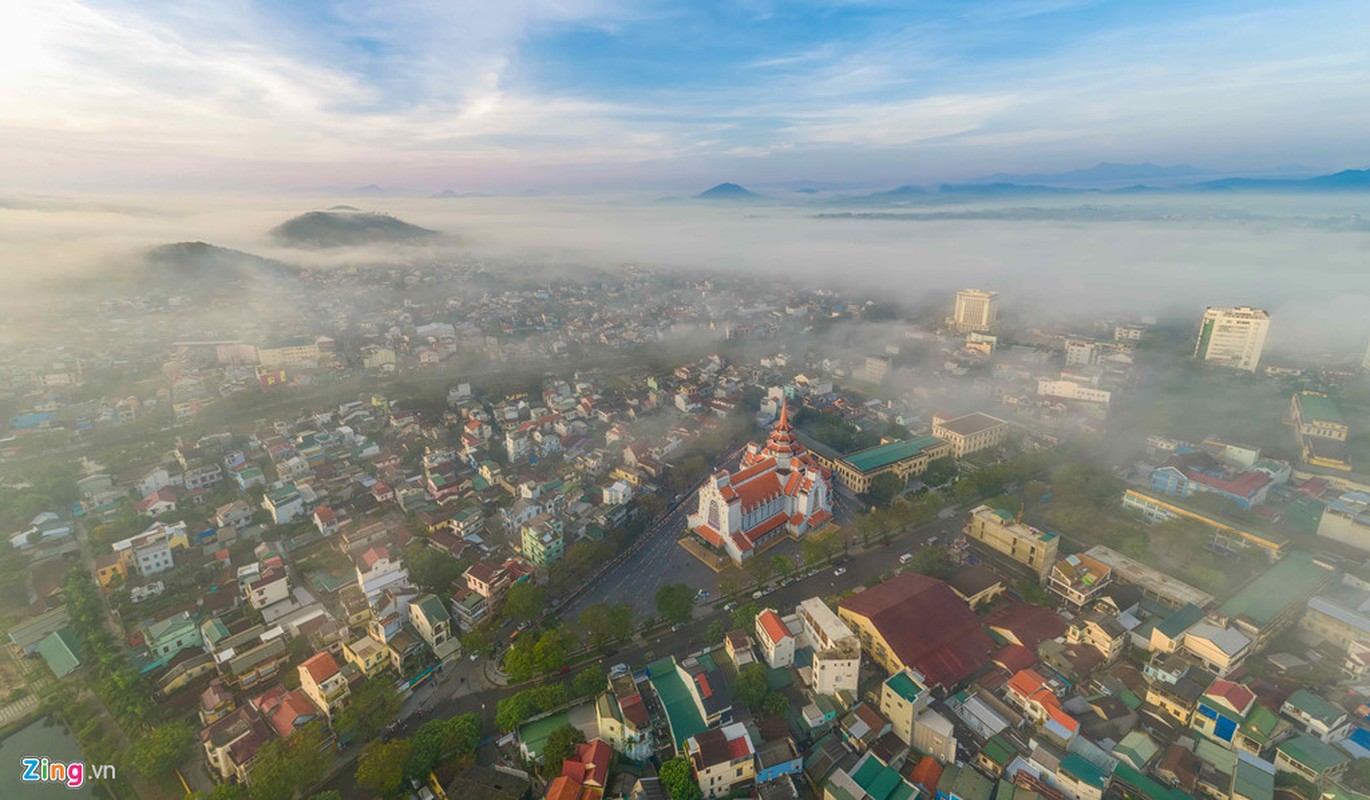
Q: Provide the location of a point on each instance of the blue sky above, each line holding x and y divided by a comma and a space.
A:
613, 95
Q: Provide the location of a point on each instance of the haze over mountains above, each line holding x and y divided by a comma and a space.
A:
325, 229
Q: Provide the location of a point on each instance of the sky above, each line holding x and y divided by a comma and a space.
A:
614, 95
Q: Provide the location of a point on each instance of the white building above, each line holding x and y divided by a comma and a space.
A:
1232, 337
777, 643
976, 310
1073, 390
836, 650
780, 489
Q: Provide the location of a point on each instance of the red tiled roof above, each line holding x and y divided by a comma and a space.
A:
324, 514
739, 748
754, 534
758, 490
563, 788
926, 626
773, 626
1244, 485
705, 690
1030, 625
321, 666
926, 774
709, 535
1026, 682
1234, 694
1015, 657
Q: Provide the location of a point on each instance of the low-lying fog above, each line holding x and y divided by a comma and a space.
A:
1305, 258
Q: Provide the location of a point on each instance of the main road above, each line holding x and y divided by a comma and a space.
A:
465, 688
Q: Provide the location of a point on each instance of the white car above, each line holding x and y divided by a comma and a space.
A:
839, 572
906, 558
758, 594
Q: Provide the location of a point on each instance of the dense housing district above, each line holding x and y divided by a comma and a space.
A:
449, 534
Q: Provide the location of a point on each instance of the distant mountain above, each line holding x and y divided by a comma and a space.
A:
899, 194
343, 208
210, 264
445, 194
991, 189
319, 229
1104, 172
371, 190
1348, 180
726, 191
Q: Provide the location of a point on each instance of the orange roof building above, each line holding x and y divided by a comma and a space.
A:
778, 489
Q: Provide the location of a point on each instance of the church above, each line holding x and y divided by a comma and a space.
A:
778, 489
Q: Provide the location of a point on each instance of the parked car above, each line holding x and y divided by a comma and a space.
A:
758, 594
730, 605
839, 572
906, 558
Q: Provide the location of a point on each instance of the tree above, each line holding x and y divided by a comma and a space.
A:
159, 751
588, 683
784, 565
933, 561
939, 471
381, 765
235, 791
678, 781
1032, 592
621, 620
600, 624
512, 711
285, 767
371, 706
675, 602
744, 616
751, 687
762, 569
327, 794
716, 631
561, 745
885, 487
440, 739
477, 640
430, 570
525, 601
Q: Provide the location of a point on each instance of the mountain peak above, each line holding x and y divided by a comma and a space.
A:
725, 191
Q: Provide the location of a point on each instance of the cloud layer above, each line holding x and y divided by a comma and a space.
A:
555, 94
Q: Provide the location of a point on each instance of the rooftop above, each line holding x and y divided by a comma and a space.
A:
874, 458
972, 423
1314, 406
1273, 592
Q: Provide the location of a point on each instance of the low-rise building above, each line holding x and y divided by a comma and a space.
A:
1100, 631
722, 759
1315, 715
903, 697
324, 683
1002, 532
970, 433
1079, 579
836, 664
777, 643
368, 655
1310, 758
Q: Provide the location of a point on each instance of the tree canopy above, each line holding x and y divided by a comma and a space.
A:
381, 766
675, 602
561, 745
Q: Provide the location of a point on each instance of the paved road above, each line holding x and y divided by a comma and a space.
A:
465, 688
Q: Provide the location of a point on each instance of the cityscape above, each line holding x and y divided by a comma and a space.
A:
637, 401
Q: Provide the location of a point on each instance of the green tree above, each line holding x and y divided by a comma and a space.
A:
372, 705
430, 570
285, 767
1032, 592
762, 569
784, 565
939, 471
477, 640
678, 781
588, 683
156, 753
561, 745
231, 791
381, 765
327, 794
675, 602
621, 620
600, 624
884, 488
751, 687
525, 601
744, 616
441, 739
933, 561
716, 631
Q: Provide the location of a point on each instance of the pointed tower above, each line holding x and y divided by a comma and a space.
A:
783, 445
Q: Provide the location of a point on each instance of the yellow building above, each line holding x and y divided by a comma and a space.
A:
970, 433
111, 567
369, 655
905, 459
325, 684
1001, 532
294, 353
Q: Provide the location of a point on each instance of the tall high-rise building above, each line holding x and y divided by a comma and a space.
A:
1365, 362
976, 310
1232, 337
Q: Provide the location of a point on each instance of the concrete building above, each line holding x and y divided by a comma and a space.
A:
722, 759
543, 541
1347, 520
1079, 579
970, 433
877, 368
903, 697
777, 643
293, 353
976, 310
324, 683
1064, 389
836, 650
1001, 532
1232, 336
779, 490
855, 472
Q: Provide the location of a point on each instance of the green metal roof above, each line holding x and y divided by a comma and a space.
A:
1084, 771
904, 686
998, 750
874, 458
1252, 782
1319, 407
1312, 753
1315, 706
1268, 596
1145, 785
1182, 620
433, 608
969, 785
1260, 723
60, 650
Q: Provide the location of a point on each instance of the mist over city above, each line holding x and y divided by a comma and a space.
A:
622, 400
